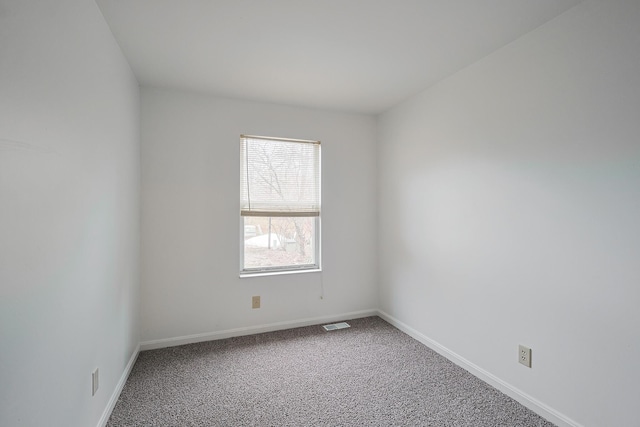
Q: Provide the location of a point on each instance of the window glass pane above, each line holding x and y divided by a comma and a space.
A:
272, 242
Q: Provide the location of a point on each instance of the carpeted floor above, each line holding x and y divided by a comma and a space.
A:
368, 375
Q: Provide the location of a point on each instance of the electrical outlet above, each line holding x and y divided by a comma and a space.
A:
255, 302
95, 382
524, 355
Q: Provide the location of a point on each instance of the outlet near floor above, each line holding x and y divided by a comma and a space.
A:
95, 382
255, 302
524, 356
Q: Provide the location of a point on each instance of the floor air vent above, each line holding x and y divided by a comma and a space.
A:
334, 326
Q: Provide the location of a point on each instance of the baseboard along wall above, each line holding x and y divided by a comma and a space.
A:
116, 393
250, 330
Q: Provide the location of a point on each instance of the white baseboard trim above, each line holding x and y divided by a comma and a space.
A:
116, 393
250, 330
535, 405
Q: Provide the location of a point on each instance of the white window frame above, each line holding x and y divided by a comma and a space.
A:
317, 235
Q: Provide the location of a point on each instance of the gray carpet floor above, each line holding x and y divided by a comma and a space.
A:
368, 375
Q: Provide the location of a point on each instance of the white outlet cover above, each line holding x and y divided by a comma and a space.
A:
524, 355
95, 381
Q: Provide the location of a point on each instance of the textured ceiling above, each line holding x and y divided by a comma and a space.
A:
348, 55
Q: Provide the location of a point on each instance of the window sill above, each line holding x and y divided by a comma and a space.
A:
245, 275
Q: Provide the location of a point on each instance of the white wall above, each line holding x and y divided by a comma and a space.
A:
69, 216
509, 207
190, 216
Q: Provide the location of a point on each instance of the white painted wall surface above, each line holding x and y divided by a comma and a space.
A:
509, 208
69, 213
190, 216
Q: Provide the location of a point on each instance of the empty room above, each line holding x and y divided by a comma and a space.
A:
319, 213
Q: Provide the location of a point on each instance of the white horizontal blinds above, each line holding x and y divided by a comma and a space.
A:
279, 177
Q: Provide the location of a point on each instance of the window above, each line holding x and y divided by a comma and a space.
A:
279, 205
